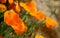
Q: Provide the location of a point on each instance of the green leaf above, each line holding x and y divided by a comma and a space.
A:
1, 16
5, 30
25, 15
3, 26
8, 32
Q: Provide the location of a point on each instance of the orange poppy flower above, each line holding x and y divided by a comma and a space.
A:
39, 36
12, 19
40, 16
50, 23
3, 1
1, 37
2, 8
30, 7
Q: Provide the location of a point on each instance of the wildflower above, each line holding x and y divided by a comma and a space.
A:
29, 7
3, 1
50, 23
40, 16
12, 19
39, 36
2, 8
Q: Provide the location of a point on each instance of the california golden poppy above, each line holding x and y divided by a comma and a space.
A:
12, 19
39, 36
29, 7
40, 16
2, 8
50, 23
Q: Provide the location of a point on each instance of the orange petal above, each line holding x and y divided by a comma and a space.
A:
15, 7
40, 16
11, 18
50, 23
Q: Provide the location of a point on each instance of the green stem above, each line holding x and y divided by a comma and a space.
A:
24, 16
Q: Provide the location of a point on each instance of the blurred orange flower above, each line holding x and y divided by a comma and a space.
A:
3, 1
2, 8
12, 19
40, 15
50, 23
30, 7
39, 36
